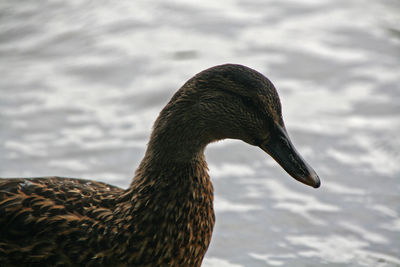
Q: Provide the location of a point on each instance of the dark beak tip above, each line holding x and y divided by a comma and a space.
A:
317, 183
314, 181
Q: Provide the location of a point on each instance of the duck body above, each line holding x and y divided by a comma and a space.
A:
58, 221
165, 217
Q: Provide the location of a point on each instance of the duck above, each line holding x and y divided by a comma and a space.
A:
166, 216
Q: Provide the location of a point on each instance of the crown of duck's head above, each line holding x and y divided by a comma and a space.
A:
237, 102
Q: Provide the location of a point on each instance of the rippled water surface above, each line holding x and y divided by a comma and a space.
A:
82, 82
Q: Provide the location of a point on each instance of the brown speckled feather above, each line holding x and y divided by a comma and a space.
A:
60, 221
47, 220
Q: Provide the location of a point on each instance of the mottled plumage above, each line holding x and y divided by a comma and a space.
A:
165, 217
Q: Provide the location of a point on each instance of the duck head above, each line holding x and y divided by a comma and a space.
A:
236, 102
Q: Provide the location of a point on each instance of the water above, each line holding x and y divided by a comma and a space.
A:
82, 82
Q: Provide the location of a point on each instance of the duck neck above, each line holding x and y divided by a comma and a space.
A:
177, 137
175, 151
171, 194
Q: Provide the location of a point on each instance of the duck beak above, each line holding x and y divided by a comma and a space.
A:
282, 150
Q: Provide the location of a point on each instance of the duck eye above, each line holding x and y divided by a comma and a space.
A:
247, 101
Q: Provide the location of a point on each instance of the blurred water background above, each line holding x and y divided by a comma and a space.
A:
81, 83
